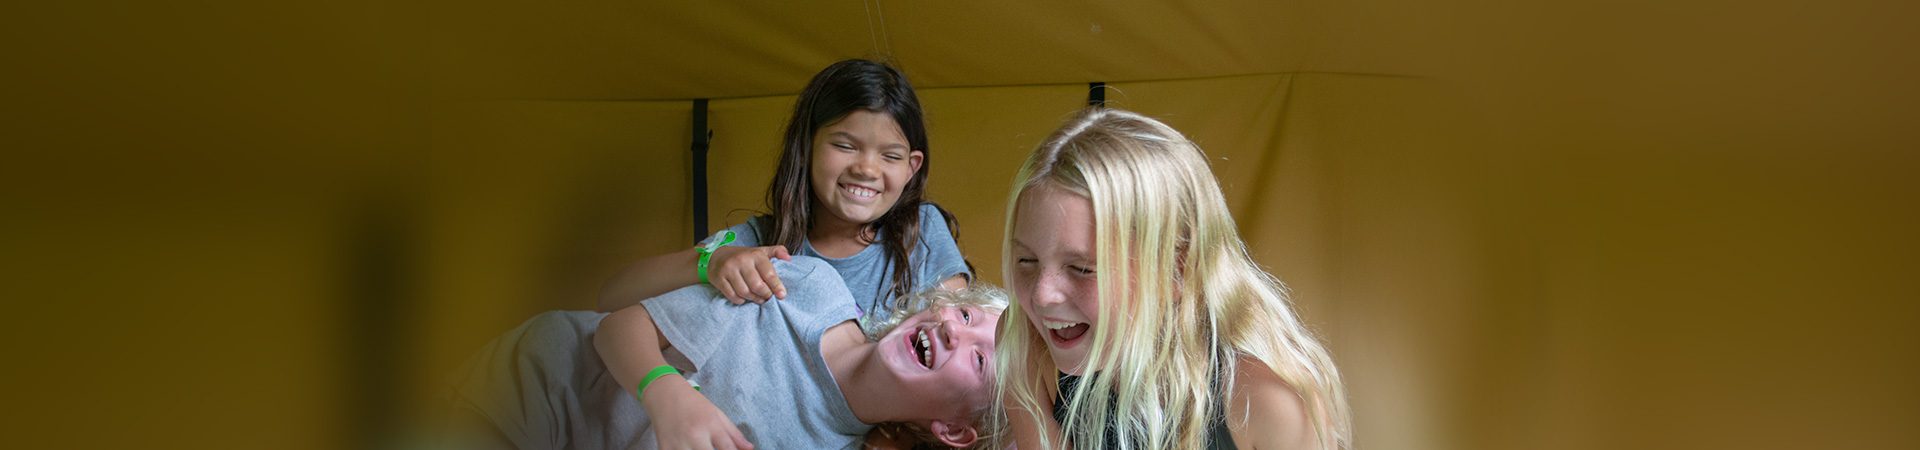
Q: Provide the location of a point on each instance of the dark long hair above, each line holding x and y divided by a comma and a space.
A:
838, 90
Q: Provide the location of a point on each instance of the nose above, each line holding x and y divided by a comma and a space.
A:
1050, 288
864, 166
956, 335
947, 335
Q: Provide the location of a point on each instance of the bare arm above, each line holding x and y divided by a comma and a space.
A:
1027, 427
631, 345
648, 278
1274, 416
741, 274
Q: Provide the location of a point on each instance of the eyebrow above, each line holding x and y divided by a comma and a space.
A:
849, 136
1072, 255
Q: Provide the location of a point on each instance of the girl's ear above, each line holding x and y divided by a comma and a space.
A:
954, 435
914, 158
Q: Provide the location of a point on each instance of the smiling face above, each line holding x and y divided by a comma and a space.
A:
943, 359
860, 165
1053, 273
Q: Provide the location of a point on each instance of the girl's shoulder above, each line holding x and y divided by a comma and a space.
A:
1274, 414
934, 218
932, 211
750, 233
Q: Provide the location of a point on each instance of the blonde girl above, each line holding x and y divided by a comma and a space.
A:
1140, 321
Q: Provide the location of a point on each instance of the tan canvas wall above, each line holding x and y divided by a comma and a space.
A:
1560, 225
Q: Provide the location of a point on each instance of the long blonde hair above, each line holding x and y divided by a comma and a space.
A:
1181, 299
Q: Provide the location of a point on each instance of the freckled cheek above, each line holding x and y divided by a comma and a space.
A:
1023, 289
1086, 298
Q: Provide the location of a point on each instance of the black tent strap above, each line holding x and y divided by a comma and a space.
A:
702, 138
1097, 94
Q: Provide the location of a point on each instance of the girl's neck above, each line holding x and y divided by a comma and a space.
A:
835, 238
854, 361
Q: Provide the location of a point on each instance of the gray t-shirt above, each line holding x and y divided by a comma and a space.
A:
868, 274
545, 386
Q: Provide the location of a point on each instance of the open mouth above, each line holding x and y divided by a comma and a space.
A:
922, 342
860, 192
1066, 333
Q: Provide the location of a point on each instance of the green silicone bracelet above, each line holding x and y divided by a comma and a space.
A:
656, 373
706, 252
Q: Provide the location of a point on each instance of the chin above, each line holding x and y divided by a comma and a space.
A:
1074, 367
858, 215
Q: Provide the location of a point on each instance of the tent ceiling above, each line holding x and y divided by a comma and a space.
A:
633, 50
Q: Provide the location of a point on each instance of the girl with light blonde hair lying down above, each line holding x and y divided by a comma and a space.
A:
793, 373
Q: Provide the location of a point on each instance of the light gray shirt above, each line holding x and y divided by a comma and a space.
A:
544, 385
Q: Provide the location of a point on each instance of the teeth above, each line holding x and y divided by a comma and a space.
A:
926, 343
1051, 325
861, 192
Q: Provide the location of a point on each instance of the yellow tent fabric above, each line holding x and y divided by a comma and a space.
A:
1575, 225
683, 50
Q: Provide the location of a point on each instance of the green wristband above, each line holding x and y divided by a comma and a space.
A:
656, 373
706, 253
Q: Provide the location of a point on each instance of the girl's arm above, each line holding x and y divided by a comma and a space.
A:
1027, 427
1275, 416
631, 345
739, 273
648, 278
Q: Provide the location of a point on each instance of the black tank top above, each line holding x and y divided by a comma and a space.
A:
1217, 435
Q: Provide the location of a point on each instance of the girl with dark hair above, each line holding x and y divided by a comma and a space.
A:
850, 189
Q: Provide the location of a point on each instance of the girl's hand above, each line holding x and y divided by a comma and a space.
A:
745, 274
684, 420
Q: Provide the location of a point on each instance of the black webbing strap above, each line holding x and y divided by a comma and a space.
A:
1097, 94
702, 138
